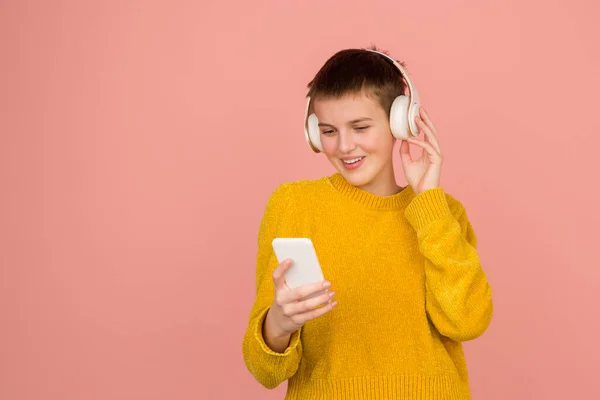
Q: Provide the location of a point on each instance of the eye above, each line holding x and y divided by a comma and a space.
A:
361, 128
327, 132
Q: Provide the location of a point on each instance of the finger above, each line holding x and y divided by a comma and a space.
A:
429, 134
316, 313
404, 148
427, 119
405, 156
427, 147
279, 274
303, 291
420, 157
300, 307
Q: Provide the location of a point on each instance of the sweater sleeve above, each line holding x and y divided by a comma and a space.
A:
270, 368
458, 295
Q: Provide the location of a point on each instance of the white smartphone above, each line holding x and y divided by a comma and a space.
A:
305, 268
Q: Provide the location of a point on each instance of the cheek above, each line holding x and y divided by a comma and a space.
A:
378, 142
329, 145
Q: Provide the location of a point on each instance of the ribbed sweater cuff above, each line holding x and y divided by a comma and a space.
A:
294, 340
431, 205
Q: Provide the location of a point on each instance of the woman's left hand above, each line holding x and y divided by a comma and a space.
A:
423, 173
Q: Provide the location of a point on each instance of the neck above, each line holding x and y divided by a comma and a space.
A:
383, 185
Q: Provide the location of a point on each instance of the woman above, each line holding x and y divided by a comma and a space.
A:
404, 282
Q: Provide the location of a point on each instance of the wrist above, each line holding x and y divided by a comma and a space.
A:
273, 329
274, 337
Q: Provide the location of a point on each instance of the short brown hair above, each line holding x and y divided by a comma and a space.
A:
352, 71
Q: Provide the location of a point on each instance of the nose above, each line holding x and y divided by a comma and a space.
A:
346, 141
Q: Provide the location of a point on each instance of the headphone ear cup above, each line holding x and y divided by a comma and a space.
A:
399, 118
314, 133
412, 114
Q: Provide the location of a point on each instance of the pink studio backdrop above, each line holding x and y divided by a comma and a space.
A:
139, 142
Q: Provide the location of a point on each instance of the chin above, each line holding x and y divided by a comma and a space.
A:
359, 182
361, 177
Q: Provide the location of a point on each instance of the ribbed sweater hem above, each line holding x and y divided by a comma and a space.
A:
400, 387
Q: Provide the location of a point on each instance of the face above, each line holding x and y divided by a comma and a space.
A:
356, 138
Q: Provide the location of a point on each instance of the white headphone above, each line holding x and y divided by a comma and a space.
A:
402, 114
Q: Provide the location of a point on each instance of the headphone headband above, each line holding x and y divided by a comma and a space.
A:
412, 92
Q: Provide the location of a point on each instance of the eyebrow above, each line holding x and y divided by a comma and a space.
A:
351, 122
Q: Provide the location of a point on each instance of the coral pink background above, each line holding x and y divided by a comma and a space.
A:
139, 141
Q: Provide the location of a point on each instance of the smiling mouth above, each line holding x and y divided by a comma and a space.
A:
352, 161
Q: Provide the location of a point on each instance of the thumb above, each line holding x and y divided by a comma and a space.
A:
279, 274
405, 153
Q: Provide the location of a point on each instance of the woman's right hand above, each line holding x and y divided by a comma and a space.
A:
290, 309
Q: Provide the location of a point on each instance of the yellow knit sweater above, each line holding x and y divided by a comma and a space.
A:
409, 286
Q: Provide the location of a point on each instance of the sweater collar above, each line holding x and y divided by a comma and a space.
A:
394, 201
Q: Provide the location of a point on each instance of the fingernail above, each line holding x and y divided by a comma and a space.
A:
331, 294
326, 284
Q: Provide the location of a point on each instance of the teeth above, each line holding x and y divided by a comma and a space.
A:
352, 161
